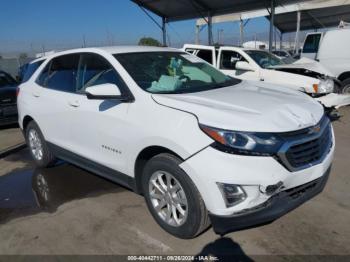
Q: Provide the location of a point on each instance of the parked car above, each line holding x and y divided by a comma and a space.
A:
8, 105
281, 54
260, 65
202, 147
331, 49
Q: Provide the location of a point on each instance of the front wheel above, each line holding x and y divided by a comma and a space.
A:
172, 198
345, 86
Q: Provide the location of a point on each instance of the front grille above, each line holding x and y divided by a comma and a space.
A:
309, 149
299, 191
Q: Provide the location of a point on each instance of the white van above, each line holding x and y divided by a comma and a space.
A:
331, 49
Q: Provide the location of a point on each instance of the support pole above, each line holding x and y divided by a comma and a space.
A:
164, 30
297, 33
210, 29
272, 18
241, 32
275, 36
281, 40
197, 34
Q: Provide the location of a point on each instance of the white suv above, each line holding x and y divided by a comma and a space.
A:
202, 147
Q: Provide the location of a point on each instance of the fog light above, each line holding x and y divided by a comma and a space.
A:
232, 194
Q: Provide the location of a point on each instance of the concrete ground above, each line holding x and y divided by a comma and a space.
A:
10, 136
65, 210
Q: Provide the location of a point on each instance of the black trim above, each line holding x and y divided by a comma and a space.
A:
93, 167
277, 206
121, 98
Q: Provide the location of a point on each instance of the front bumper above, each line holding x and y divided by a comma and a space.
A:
275, 207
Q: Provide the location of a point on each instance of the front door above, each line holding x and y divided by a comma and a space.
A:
99, 126
227, 65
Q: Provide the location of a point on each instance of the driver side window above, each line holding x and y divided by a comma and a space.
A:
95, 70
229, 59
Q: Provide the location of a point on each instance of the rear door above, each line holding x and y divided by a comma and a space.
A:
52, 98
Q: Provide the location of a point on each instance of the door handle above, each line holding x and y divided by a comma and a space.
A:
74, 103
35, 94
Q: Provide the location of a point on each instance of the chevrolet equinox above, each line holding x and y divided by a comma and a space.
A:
201, 147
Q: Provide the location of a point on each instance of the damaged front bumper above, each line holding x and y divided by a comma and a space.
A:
277, 206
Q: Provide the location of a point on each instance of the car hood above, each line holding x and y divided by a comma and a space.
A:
248, 106
8, 94
307, 64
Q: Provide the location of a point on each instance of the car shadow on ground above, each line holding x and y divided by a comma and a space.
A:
222, 249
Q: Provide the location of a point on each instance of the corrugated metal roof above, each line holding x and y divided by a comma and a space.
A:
175, 10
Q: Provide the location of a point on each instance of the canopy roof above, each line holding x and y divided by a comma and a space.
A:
176, 10
314, 14
313, 19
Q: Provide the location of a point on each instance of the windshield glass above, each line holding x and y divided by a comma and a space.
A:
6, 80
264, 59
172, 72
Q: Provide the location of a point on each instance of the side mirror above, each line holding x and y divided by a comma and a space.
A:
244, 66
103, 91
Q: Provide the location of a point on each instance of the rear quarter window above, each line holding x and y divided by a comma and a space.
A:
30, 70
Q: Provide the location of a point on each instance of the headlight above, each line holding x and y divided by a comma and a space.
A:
244, 143
325, 86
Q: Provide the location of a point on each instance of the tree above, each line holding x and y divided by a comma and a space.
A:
149, 41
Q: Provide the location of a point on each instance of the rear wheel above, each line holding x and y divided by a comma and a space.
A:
38, 147
172, 198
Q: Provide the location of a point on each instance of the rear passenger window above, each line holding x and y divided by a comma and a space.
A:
61, 73
206, 55
96, 70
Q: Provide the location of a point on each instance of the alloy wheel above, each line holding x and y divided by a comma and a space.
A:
35, 144
168, 198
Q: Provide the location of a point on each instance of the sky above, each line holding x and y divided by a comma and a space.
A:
33, 25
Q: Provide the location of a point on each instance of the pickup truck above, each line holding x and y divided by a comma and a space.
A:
258, 65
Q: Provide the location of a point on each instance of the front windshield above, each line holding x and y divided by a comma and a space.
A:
6, 80
264, 59
172, 72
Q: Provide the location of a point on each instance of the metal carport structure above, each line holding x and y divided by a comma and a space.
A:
314, 14
177, 10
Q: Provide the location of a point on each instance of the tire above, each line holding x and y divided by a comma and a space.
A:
345, 86
183, 194
38, 147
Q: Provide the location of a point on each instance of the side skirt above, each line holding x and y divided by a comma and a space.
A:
89, 165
